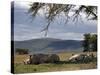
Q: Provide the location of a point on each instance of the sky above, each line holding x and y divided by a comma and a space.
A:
26, 28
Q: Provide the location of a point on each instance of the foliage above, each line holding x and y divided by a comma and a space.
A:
86, 42
90, 42
22, 51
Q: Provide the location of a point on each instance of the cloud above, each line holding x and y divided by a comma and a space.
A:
25, 28
67, 36
21, 4
27, 36
64, 36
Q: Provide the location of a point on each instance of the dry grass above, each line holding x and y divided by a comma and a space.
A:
21, 68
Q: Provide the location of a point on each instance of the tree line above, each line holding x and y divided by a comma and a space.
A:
90, 42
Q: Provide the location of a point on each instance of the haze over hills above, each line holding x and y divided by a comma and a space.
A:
49, 45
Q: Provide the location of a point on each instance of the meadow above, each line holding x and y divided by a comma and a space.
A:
19, 67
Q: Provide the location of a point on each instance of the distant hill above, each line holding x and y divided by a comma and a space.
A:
49, 45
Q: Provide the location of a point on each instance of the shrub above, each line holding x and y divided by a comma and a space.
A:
22, 51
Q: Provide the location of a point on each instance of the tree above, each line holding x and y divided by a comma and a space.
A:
22, 51
86, 42
94, 42
90, 42
54, 10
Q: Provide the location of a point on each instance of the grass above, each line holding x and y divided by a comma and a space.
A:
21, 68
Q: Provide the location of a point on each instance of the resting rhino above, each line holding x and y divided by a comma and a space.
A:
43, 58
81, 58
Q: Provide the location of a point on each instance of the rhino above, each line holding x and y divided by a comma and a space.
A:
81, 58
43, 58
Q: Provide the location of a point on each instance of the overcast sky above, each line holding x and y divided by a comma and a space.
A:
25, 28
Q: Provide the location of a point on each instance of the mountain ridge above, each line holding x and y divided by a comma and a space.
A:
43, 45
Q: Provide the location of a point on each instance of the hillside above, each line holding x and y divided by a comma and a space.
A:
49, 45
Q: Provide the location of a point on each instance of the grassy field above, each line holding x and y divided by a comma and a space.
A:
19, 67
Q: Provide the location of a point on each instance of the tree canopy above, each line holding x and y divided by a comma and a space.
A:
90, 42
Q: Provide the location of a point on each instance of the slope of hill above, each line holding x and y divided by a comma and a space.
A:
46, 45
